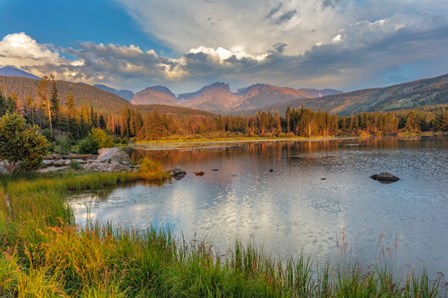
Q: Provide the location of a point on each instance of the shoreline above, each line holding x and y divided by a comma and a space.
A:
197, 144
223, 142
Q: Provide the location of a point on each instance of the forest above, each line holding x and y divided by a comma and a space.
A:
64, 119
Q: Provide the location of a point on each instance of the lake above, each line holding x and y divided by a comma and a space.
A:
312, 197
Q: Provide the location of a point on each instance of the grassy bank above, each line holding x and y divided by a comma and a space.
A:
45, 255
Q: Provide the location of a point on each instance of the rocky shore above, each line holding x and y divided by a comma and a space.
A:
107, 160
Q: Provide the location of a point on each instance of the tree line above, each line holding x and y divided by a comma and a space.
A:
62, 117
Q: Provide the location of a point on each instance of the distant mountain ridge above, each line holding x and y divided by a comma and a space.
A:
218, 97
125, 94
420, 93
10, 71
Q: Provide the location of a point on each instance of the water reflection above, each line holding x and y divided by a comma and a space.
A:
293, 209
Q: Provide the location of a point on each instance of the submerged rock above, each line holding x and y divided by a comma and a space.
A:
385, 177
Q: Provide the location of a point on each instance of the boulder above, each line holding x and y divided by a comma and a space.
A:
385, 177
52, 169
200, 173
109, 155
78, 156
61, 163
106, 167
4, 167
177, 173
47, 162
53, 156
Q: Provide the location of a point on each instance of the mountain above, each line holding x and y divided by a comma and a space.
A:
84, 94
125, 94
425, 92
9, 71
156, 95
259, 96
218, 98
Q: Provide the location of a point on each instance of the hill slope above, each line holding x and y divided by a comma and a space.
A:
83, 93
425, 92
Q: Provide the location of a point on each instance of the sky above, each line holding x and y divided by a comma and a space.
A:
133, 44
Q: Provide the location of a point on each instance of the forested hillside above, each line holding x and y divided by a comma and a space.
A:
83, 94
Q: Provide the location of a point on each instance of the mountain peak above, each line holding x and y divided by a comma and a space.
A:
11, 71
161, 89
155, 95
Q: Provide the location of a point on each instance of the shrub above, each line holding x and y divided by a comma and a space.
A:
63, 144
88, 145
21, 144
151, 170
102, 138
75, 165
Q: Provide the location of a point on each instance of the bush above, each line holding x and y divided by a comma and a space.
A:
21, 144
63, 144
88, 145
75, 165
102, 138
151, 170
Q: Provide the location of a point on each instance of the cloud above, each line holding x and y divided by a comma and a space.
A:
20, 49
315, 43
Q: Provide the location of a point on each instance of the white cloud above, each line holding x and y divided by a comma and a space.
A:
20, 50
251, 26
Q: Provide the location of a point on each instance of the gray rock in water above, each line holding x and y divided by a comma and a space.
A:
177, 173
111, 155
385, 177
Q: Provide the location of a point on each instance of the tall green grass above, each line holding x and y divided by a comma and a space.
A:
45, 255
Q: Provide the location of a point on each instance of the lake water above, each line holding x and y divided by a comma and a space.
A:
318, 199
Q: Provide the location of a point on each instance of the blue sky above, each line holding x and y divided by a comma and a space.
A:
66, 22
132, 44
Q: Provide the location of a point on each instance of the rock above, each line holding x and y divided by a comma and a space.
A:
78, 156
106, 167
52, 169
200, 173
177, 173
61, 163
47, 162
215, 170
323, 179
385, 177
271, 170
4, 167
116, 155
53, 156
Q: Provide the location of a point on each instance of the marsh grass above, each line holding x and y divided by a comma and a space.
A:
45, 255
